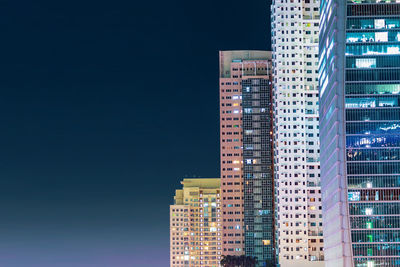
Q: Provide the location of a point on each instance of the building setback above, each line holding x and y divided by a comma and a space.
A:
246, 166
295, 29
195, 224
360, 132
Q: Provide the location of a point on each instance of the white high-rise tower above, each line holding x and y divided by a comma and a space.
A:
295, 30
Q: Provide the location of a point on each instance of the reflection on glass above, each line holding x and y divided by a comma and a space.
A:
366, 63
379, 24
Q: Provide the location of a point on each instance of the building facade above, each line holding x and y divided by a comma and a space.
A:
258, 163
196, 224
246, 164
298, 212
360, 131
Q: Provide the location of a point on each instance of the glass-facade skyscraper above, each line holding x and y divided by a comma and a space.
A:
258, 166
360, 131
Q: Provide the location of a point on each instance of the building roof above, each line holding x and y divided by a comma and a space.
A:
202, 182
227, 57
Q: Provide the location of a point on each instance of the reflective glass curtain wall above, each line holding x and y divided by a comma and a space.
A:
360, 131
257, 164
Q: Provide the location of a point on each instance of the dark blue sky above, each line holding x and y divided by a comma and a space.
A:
104, 107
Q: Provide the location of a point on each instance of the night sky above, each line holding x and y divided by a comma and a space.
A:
104, 107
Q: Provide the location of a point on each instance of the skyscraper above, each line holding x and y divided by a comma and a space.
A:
360, 131
258, 165
195, 224
295, 29
246, 160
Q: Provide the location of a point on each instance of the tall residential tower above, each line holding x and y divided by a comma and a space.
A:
360, 131
246, 154
295, 29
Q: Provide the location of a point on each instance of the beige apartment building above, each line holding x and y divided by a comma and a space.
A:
196, 224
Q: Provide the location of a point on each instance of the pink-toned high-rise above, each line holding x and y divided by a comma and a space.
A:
234, 67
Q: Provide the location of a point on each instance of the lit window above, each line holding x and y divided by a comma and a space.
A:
379, 24
366, 63
354, 196
266, 242
381, 36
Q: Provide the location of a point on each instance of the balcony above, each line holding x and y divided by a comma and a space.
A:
315, 233
312, 159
